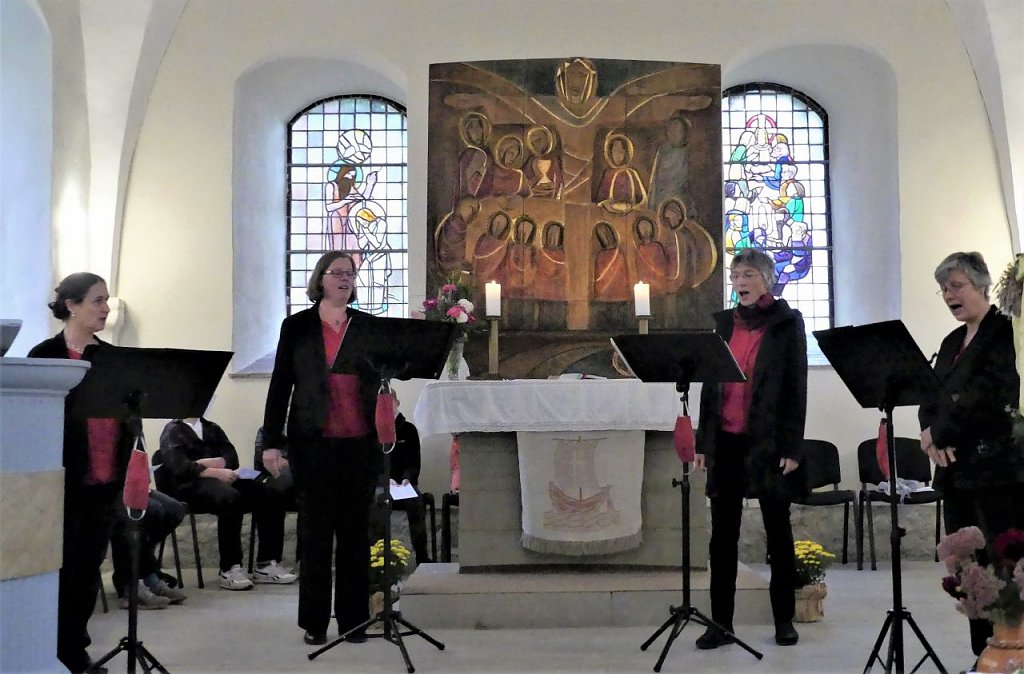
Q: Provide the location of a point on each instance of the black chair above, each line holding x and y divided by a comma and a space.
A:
911, 464
448, 501
822, 461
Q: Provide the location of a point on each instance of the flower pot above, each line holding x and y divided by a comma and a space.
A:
1005, 650
809, 603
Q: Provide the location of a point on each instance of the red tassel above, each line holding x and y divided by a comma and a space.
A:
682, 437
882, 449
385, 419
136, 483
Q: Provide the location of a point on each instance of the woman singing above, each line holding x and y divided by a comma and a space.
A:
332, 446
750, 438
95, 457
967, 430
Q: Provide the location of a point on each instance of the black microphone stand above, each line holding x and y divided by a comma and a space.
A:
679, 616
137, 652
391, 621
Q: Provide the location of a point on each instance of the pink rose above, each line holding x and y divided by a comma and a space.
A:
430, 304
449, 288
454, 312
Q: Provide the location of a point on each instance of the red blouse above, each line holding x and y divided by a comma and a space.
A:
104, 435
736, 397
345, 418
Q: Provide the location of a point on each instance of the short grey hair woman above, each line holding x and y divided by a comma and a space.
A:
966, 430
971, 264
749, 440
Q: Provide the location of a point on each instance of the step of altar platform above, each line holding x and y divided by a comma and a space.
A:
438, 596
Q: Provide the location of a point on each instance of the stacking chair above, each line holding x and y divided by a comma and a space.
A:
911, 464
822, 461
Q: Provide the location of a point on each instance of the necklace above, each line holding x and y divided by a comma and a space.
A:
76, 348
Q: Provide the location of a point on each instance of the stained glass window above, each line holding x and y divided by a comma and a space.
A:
347, 177
775, 168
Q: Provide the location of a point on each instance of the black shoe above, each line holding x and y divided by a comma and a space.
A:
714, 638
785, 634
315, 638
357, 637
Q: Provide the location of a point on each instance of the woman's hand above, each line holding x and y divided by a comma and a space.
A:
788, 465
213, 462
273, 461
926, 440
941, 457
699, 463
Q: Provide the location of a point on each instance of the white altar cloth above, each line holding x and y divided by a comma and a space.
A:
545, 405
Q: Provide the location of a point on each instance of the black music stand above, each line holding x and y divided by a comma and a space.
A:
133, 384
392, 348
681, 358
883, 367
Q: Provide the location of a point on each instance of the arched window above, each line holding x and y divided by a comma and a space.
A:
347, 176
775, 167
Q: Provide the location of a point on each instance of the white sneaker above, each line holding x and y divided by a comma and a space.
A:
235, 579
274, 573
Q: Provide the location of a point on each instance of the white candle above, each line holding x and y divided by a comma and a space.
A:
642, 299
493, 294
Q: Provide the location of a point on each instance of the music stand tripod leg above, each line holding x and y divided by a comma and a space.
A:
130, 643
680, 616
898, 613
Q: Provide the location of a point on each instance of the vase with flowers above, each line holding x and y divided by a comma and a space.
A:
989, 585
396, 571
812, 560
453, 305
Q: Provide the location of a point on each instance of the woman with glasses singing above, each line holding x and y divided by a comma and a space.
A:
332, 450
967, 429
749, 440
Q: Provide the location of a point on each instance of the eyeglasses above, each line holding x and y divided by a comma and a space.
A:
340, 274
954, 288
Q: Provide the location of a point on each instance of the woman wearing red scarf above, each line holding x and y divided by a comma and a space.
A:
749, 440
95, 457
332, 450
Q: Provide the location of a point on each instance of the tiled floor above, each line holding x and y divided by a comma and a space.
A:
219, 632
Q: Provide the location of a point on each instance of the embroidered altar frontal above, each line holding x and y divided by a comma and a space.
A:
581, 491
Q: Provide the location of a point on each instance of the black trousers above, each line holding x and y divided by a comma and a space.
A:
163, 515
726, 515
416, 513
993, 510
230, 502
334, 480
87, 522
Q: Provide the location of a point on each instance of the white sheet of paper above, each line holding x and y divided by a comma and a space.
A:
248, 473
400, 492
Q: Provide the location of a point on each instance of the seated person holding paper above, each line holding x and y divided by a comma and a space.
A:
200, 467
405, 471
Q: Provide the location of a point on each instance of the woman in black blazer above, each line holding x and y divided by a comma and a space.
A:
96, 455
749, 440
332, 450
967, 430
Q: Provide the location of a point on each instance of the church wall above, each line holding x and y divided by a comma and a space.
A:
26, 139
931, 186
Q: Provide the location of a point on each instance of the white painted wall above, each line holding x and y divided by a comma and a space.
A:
925, 184
26, 144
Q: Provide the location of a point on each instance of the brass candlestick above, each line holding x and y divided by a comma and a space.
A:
492, 347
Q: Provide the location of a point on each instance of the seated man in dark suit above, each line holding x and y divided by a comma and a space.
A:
200, 467
405, 469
